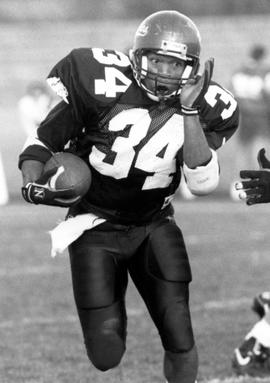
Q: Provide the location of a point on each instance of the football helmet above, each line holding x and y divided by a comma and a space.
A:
167, 33
261, 303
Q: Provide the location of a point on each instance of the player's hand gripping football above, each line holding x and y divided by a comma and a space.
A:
194, 90
43, 192
256, 185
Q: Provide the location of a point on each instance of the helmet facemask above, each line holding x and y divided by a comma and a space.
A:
167, 33
161, 90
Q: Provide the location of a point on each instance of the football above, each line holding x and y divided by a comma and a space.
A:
73, 173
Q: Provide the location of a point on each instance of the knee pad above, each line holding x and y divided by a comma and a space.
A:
104, 333
177, 333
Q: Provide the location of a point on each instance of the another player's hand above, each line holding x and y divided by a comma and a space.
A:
256, 185
194, 90
263, 161
42, 191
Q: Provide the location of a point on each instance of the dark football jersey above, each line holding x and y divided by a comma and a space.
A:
132, 144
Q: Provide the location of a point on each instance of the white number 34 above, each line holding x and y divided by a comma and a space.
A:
156, 157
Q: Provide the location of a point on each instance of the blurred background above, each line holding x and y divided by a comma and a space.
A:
35, 34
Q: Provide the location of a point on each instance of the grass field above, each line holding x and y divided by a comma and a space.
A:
41, 340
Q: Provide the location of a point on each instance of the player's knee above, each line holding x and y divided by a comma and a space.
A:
105, 352
104, 331
177, 334
106, 347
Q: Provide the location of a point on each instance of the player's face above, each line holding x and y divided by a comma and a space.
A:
170, 67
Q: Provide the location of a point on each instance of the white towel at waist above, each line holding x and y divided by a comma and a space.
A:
68, 231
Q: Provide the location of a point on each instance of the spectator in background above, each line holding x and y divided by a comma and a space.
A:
251, 86
34, 106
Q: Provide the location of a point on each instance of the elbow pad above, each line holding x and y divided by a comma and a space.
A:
203, 179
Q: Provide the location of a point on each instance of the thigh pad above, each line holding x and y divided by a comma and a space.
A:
166, 254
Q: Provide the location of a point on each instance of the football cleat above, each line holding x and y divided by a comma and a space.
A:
261, 303
252, 359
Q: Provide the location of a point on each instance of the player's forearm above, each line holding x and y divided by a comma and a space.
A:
196, 149
31, 170
201, 168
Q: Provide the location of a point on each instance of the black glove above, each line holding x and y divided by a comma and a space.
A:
40, 192
194, 90
257, 188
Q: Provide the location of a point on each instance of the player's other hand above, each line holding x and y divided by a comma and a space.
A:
42, 191
255, 187
194, 90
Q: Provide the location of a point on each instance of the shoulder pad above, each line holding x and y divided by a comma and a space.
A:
92, 74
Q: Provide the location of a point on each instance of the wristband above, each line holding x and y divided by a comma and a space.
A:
189, 111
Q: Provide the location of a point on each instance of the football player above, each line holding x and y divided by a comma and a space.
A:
253, 356
139, 122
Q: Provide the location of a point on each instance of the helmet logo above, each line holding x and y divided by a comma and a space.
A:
143, 30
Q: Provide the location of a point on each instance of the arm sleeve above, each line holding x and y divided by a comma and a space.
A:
203, 179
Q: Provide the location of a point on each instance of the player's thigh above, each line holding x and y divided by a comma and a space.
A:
161, 268
165, 253
98, 279
161, 272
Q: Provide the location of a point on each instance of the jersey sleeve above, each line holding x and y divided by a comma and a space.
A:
219, 115
53, 134
87, 80
66, 119
88, 77
69, 79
